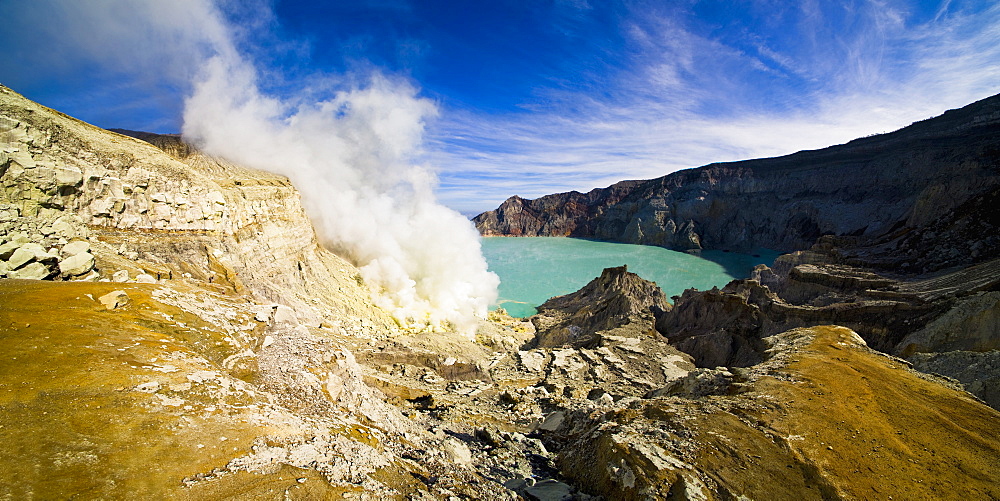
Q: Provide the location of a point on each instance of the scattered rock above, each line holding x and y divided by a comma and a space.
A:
145, 278
114, 299
68, 176
31, 271
8, 248
148, 387
284, 315
76, 264
93, 276
698, 383
533, 361
540, 490
75, 247
553, 421
458, 452
30, 252
263, 313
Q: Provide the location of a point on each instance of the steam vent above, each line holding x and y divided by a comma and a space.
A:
568, 250
172, 328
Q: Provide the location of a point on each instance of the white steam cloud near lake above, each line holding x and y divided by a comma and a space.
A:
674, 93
353, 154
352, 158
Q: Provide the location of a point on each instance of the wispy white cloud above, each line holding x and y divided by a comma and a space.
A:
141, 39
121, 53
689, 98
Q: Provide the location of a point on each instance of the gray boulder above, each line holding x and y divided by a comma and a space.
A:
7, 249
75, 247
30, 252
76, 265
114, 299
145, 278
31, 271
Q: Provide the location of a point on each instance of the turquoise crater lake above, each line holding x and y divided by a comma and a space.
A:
533, 269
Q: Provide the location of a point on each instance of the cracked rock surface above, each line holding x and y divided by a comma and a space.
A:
188, 338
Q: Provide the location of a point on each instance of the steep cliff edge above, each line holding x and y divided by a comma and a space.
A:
184, 216
190, 322
875, 187
201, 328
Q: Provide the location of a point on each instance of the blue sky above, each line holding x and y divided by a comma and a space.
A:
534, 97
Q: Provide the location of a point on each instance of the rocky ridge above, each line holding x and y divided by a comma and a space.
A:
144, 212
616, 299
895, 191
222, 343
895, 236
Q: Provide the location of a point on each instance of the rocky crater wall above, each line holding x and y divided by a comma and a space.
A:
146, 212
868, 187
232, 396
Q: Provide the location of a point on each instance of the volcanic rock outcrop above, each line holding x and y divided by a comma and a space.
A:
616, 299
920, 319
190, 321
895, 236
145, 212
762, 439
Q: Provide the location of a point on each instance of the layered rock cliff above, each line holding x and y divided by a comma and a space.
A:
192, 341
895, 236
879, 187
146, 212
203, 330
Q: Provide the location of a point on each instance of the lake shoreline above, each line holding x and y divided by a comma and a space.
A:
533, 269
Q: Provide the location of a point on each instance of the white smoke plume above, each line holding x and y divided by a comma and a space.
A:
353, 159
353, 155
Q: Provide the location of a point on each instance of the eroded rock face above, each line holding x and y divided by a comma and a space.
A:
615, 299
972, 324
922, 198
978, 371
723, 327
555, 215
148, 213
761, 441
720, 327
952, 314
244, 361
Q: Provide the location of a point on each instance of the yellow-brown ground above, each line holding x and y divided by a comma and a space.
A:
71, 420
839, 421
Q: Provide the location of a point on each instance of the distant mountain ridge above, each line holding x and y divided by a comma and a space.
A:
873, 188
